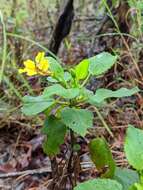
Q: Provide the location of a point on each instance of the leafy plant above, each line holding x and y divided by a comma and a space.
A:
127, 178
65, 101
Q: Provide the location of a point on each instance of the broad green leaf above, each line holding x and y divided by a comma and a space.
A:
136, 186
35, 105
81, 70
103, 94
55, 68
102, 157
134, 147
79, 120
99, 184
126, 177
100, 63
59, 90
55, 131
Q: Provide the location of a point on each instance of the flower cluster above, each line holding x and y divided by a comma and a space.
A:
39, 66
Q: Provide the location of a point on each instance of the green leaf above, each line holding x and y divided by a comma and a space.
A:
67, 76
86, 93
102, 157
59, 90
81, 70
56, 68
35, 105
134, 147
136, 186
126, 177
79, 120
99, 184
103, 94
88, 97
55, 131
100, 63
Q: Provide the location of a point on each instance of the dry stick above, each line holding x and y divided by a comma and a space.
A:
26, 172
84, 165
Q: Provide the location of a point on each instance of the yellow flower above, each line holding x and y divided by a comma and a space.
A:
40, 66
30, 68
42, 62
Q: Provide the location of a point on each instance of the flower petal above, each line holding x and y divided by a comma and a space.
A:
29, 64
43, 65
31, 72
39, 57
21, 70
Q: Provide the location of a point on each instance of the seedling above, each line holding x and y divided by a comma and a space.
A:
66, 99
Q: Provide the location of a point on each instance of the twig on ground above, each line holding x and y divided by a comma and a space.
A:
26, 172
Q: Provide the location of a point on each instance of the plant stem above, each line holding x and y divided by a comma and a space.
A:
70, 167
86, 80
103, 121
33, 42
4, 47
